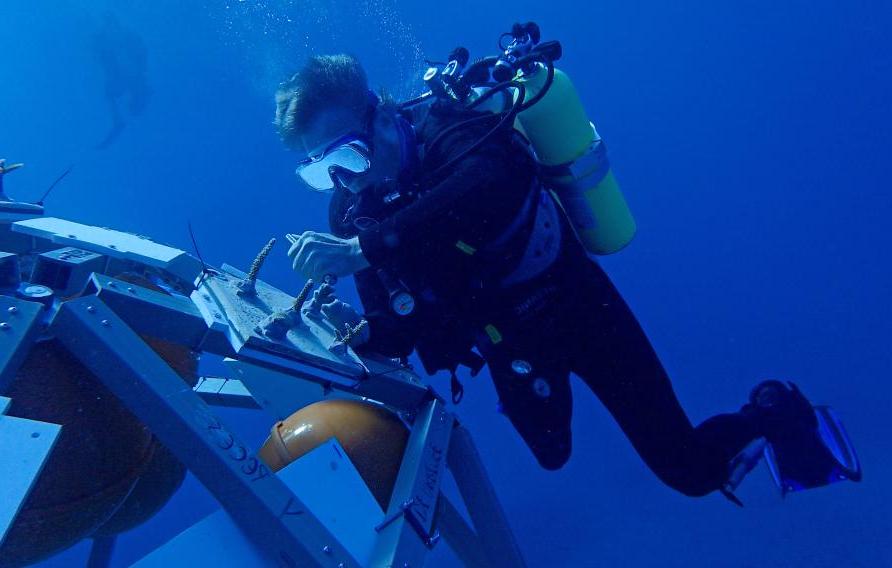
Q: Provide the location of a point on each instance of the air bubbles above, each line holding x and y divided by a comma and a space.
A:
275, 37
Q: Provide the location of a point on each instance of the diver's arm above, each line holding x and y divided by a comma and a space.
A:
389, 335
474, 204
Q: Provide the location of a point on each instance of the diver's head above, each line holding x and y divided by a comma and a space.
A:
344, 134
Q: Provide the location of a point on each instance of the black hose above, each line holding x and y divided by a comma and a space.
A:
477, 73
465, 123
545, 86
54, 184
506, 119
416, 101
468, 79
505, 84
497, 88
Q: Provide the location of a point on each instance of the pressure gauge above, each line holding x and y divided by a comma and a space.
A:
402, 302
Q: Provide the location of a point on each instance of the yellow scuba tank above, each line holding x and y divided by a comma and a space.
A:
575, 162
551, 116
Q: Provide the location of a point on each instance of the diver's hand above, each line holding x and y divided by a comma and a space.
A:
340, 314
314, 255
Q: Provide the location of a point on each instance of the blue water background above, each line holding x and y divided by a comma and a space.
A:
752, 140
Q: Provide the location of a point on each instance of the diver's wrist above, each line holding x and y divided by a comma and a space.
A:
356, 252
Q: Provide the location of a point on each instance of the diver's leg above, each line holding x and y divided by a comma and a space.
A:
616, 360
537, 402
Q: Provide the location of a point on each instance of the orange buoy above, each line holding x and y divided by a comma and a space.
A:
98, 455
107, 473
373, 438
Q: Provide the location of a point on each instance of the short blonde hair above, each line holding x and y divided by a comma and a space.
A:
325, 82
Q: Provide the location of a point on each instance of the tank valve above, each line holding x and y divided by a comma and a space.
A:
247, 286
339, 345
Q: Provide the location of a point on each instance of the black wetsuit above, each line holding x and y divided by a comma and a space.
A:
566, 318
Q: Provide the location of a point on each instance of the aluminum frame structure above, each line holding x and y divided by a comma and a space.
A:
44, 261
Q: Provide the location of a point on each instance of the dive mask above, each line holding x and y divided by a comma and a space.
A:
345, 158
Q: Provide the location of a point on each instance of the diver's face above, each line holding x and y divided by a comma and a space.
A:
331, 124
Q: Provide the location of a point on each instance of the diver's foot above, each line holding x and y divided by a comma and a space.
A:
807, 445
781, 409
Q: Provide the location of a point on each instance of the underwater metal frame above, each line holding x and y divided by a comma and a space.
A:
204, 311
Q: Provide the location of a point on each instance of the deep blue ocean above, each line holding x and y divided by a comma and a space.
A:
752, 140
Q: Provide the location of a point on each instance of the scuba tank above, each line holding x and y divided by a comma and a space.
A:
574, 158
545, 108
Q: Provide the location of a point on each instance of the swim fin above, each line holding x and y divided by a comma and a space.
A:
807, 445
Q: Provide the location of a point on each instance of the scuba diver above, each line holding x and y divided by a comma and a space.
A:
467, 217
122, 55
